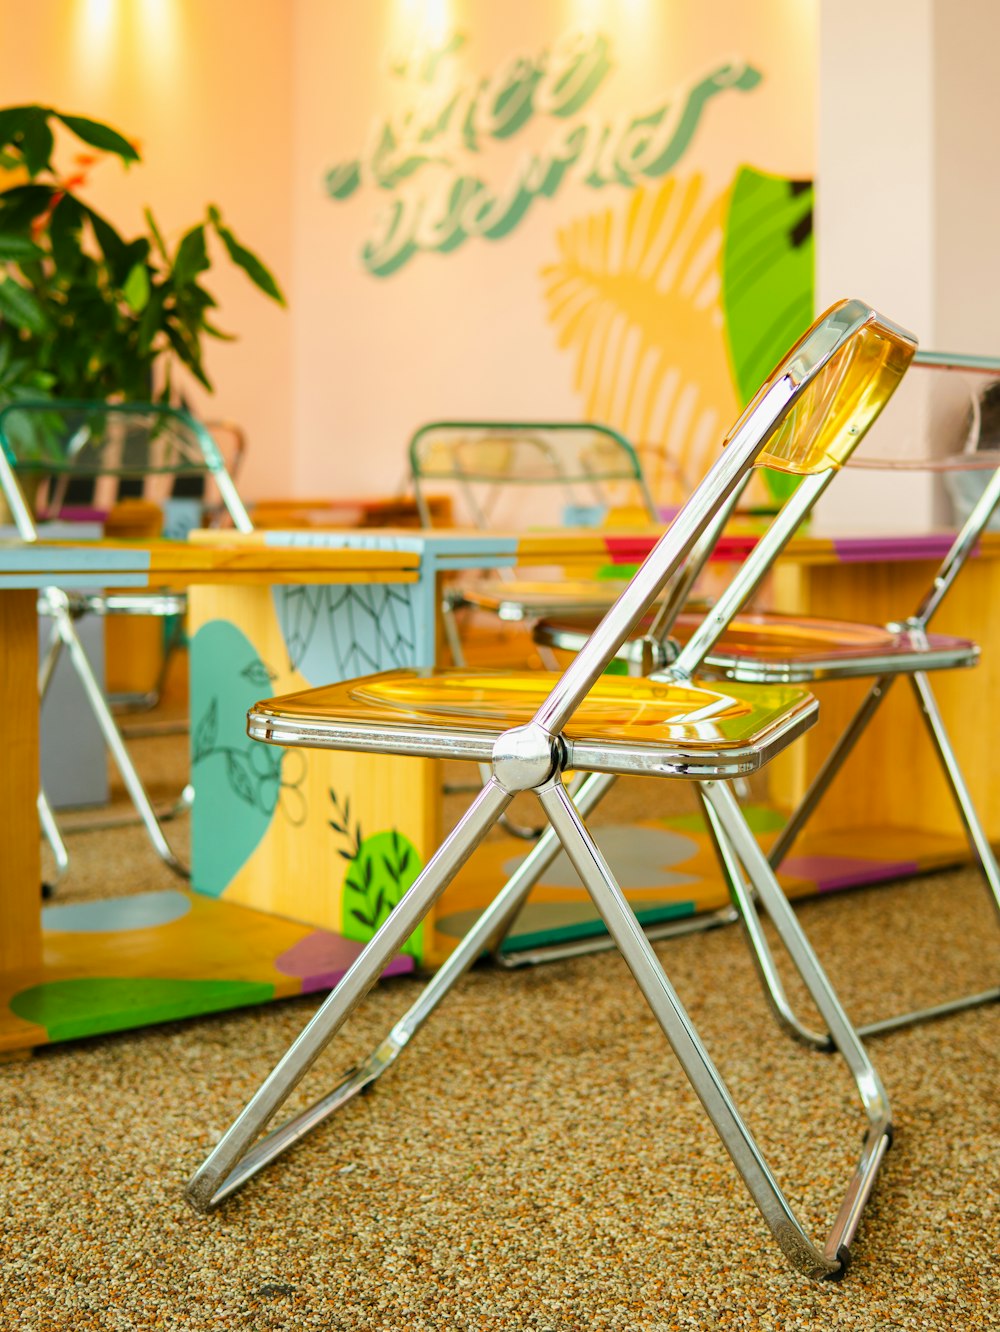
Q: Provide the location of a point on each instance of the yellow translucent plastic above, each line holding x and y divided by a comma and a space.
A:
612, 704
854, 382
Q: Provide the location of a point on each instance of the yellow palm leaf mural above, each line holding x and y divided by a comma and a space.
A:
635, 295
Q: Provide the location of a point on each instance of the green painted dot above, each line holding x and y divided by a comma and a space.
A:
92, 1005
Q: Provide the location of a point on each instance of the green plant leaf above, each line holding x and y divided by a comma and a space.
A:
21, 205
15, 248
111, 243
136, 288
187, 350
243, 258
156, 234
27, 128
99, 135
192, 256
23, 308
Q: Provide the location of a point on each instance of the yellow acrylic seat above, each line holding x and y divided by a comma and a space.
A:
623, 726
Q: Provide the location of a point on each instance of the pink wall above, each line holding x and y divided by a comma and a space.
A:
205, 86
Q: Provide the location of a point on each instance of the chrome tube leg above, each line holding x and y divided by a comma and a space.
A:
845, 1037
638, 953
831, 766
974, 829
235, 1158
48, 663
760, 950
53, 836
113, 740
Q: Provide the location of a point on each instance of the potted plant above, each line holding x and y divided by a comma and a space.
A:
85, 312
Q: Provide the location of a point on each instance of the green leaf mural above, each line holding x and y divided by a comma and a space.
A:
767, 281
380, 869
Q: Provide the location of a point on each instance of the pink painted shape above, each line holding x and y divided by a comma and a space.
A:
871, 549
320, 959
832, 872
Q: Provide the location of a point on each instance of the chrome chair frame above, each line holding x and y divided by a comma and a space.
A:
533, 757
915, 655
64, 608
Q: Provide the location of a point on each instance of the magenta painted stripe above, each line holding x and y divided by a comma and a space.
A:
868, 549
829, 873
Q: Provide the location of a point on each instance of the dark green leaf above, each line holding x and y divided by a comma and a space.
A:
192, 257
23, 308
251, 265
214, 332
188, 353
379, 904
111, 243
337, 827
100, 136
362, 918
14, 248
21, 205
156, 234
149, 324
345, 855
35, 141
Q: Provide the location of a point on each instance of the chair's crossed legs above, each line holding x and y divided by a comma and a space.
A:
974, 829
64, 635
238, 1155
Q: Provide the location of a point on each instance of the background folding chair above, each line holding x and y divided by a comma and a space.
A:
935, 424
534, 727
90, 452
508, 475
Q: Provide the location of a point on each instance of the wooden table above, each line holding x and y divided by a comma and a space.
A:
268, 613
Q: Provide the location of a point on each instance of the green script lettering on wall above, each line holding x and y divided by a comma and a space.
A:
426, 157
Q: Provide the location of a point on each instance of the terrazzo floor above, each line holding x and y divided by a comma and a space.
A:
536, 1160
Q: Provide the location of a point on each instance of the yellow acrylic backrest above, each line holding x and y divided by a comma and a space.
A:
854, 359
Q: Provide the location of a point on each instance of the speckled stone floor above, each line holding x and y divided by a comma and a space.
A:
536, 1160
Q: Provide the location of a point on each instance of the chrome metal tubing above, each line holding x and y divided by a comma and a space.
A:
844, 1036
235, 1158
676, 543
748, 576
960, 550
832, 764
974, 829
760, 950
66, 629
704, 1077
930, 1013
50, 830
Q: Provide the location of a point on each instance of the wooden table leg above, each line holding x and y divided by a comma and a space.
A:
20, 861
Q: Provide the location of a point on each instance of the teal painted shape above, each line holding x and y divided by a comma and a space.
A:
236, 788
144, 911
90, 1006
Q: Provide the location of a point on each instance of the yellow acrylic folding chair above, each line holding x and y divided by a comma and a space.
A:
535, 727
935, 427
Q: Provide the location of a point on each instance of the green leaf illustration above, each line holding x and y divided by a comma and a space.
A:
767, 280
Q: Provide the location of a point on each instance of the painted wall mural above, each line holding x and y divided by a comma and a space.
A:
432, 156
669, 281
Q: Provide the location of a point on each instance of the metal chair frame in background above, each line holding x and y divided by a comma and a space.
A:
32, 441
535, 727
520, 456
760, 649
